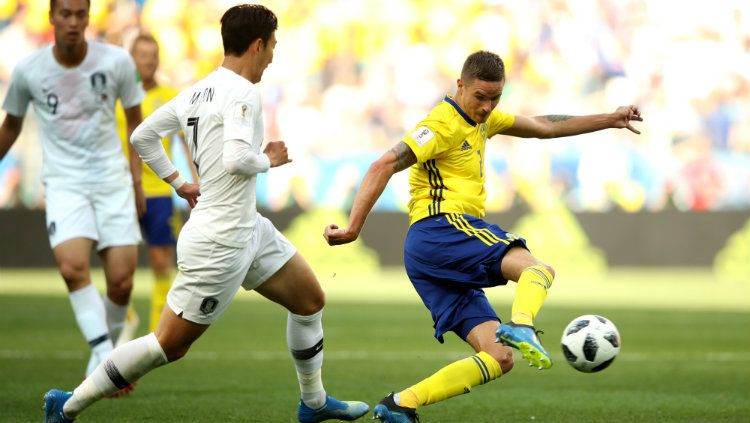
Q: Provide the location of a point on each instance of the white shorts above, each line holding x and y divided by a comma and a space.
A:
210, 274
104, 213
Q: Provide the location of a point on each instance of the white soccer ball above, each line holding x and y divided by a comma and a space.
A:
590, 343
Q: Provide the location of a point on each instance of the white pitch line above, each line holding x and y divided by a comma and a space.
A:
726, 357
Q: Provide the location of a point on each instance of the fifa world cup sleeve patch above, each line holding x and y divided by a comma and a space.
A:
422, 135
242, 113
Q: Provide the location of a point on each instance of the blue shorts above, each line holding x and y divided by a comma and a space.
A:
449, 259
158, 224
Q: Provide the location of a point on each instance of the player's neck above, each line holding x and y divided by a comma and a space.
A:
70, 56
149, 84
241, 67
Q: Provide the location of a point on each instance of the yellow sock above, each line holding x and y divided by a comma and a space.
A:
530, 294
162, 283
454, 379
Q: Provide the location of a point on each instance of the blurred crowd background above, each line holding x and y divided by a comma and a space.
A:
351, 77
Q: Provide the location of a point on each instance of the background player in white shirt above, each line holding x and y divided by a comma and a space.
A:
89, 193
225, 244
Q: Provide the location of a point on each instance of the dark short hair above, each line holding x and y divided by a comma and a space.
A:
241, 25
143, 37
483, 65
53, 3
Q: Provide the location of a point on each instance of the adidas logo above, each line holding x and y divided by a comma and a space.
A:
465, 146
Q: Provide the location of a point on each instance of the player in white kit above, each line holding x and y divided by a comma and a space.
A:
89, 192
225, 244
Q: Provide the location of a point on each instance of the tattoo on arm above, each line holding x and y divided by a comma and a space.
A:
556, 118
404, 157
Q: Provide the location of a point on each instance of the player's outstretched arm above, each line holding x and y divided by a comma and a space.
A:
9, 132
554, 126
239, 158
394, 160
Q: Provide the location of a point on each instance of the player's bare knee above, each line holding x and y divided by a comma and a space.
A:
173, 348
549, 268
310, 305
75, 274
502, 354
161, 266
175, 353
504, 357
178, 354
119, 288
120, 285
320, 300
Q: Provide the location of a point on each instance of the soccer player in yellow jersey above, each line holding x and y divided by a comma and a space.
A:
450, 252
161, 220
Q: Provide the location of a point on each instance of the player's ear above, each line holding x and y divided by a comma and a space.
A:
257, 45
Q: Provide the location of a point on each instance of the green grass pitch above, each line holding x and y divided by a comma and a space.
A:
685, 354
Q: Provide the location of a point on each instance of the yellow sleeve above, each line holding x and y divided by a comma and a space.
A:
499, 122
429, 139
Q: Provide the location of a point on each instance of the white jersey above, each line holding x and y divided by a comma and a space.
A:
221, 109
76, 111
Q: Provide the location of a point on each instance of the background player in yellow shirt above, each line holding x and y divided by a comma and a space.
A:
450, 252
161, 221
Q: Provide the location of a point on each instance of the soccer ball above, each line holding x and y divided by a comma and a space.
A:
590, 343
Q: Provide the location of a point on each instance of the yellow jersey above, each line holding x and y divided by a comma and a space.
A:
153, 185
449, 174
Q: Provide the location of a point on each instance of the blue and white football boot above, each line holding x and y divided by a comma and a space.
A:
524, 338
332, 409
54, 400
388, 411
